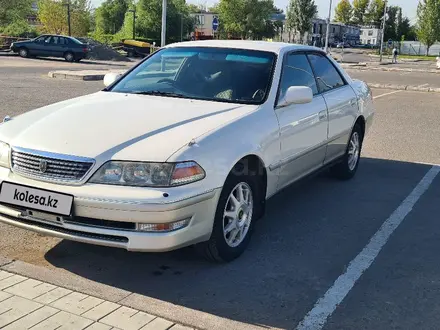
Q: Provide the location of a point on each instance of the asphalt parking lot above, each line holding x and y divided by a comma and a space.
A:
312, 234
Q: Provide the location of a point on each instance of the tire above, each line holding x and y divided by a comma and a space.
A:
69, 57
23, 52
347, 168
221, 247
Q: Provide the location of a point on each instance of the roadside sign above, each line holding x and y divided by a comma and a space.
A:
215, 24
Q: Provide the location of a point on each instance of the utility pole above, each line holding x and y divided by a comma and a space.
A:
134, 21
383, 31
181, 27
327, 33
164, 23
67, 4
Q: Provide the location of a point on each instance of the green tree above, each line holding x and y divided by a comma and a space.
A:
149, 13
392, 24
360, 8
300, 15
110, 15
14, 10
343, 12
375, 13
247, 18
428, 22
53, 16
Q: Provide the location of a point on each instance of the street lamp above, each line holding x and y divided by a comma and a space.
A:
134, 21
327, 34
164, 23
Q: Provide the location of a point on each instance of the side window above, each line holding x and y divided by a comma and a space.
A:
47, 40
297, 72
62, 41
327, 76
54, 40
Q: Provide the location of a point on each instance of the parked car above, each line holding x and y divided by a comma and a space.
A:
343, 45
183, 149
69, 48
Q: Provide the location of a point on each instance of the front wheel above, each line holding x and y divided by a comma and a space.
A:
234, 219
347, 168
23, 52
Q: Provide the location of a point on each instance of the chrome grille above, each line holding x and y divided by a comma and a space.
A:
46, 166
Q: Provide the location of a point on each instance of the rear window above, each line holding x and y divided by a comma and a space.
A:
74, 40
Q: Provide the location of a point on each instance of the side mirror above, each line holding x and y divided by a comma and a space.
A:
296, 95
110, 78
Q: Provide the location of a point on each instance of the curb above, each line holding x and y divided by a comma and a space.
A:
404, 88
367, 68
84, 75
162, 308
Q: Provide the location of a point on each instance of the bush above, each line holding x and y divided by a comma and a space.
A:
19, 29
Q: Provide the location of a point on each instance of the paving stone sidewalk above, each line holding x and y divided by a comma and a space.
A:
26, 303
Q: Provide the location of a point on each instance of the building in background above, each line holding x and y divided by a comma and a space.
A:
316, 36
203, 27
371, 35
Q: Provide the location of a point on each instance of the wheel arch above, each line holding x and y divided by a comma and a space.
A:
362, 123
252, 165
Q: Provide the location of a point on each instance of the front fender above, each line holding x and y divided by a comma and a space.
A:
218, 151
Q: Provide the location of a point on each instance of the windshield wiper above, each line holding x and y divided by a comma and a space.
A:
160, 93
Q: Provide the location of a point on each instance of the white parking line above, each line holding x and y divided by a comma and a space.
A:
424, 85
327, 304
386, 94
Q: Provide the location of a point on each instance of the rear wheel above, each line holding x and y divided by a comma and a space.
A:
347, 168
236, 213
69, 57
23, 52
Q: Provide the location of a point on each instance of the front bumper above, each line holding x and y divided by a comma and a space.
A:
103, 215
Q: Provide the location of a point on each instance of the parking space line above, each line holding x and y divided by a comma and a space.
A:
326, 305
424, 85
386, 94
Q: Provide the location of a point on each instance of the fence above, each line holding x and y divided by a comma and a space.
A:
6, 41
417, 48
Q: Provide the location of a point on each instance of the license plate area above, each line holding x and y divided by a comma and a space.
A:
36, 199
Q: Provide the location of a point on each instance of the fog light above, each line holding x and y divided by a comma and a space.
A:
162, 227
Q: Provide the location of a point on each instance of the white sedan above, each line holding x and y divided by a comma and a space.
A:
183, 149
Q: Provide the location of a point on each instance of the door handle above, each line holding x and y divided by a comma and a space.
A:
322, 115
353, 103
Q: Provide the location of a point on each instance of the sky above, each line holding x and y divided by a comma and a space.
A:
409, 6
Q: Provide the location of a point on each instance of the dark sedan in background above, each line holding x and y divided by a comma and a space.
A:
69, 48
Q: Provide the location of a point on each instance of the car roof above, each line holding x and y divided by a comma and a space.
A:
275, 47
55, 35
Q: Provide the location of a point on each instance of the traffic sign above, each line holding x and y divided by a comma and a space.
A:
215, 23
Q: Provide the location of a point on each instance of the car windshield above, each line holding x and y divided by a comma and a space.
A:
205, 73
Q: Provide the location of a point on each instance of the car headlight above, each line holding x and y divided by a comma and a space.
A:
143, 174
4, 154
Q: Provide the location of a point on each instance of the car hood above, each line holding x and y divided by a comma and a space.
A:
108, 125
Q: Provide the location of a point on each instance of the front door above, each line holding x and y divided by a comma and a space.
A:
303, 127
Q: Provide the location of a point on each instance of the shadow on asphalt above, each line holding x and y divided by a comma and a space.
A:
309, 235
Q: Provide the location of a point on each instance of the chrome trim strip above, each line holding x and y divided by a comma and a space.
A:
200, 197
289, 159
53, 155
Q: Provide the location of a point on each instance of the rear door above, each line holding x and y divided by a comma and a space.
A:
341, 102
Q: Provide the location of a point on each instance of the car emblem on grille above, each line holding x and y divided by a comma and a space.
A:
43, 166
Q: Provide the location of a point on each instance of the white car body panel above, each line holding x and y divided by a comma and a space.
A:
290, 142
